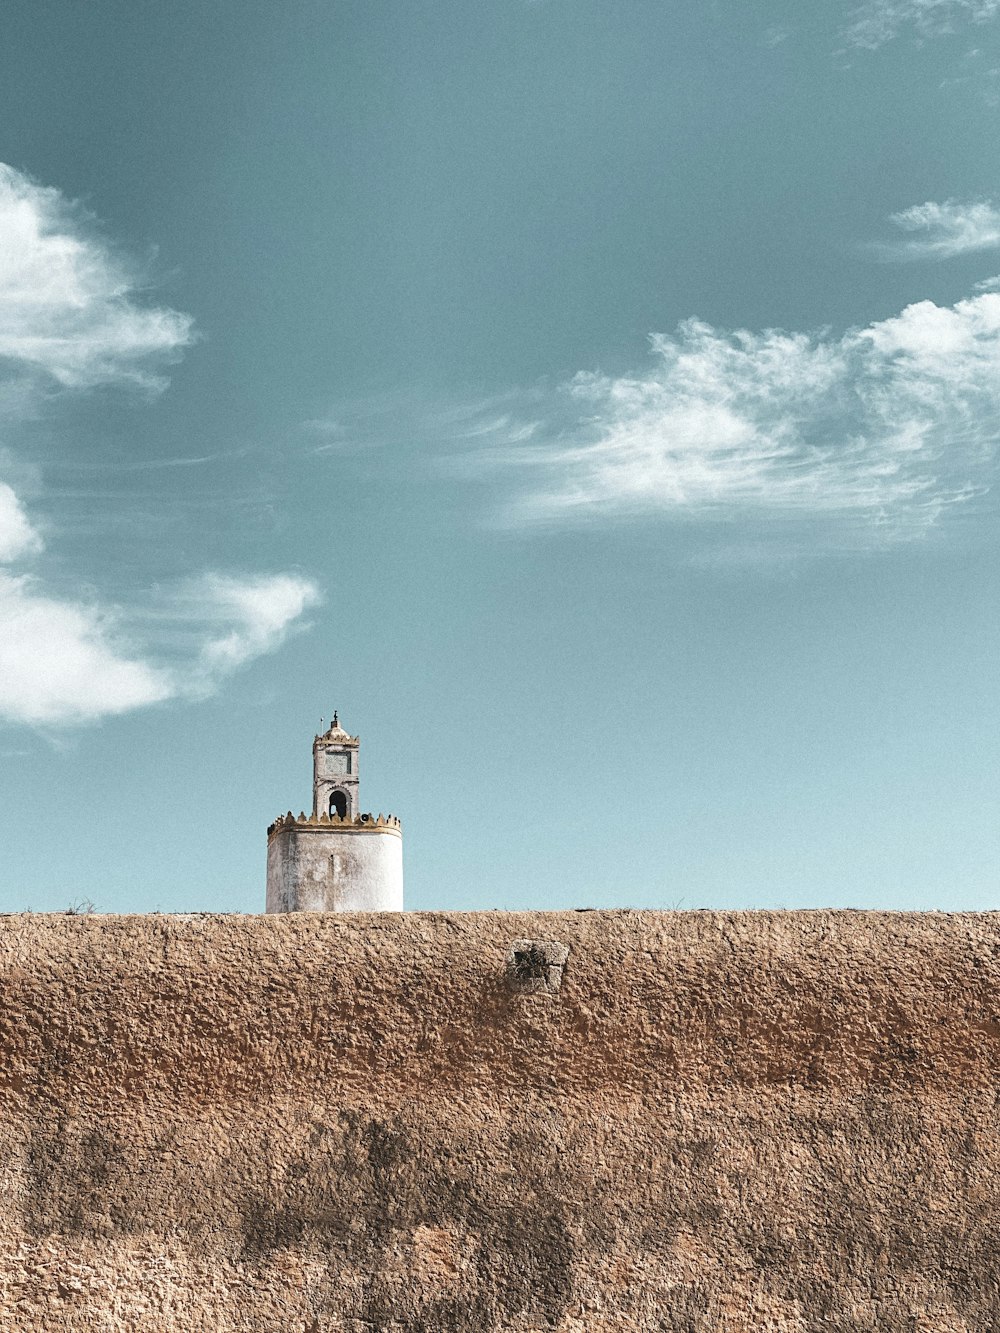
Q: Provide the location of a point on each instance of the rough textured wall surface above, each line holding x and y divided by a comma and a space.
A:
317, 1123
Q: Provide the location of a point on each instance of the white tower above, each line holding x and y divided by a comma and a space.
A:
335, 860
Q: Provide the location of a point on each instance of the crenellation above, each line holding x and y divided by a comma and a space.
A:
359, 822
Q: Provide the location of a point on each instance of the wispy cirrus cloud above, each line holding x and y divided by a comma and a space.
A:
877, 22
70, 307
867, 437
936, 231
74, 316
70, 662
775, 35
216, 623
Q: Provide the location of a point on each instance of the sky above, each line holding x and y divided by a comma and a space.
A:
597, 404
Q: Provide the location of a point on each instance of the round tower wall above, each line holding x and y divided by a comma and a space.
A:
316, 868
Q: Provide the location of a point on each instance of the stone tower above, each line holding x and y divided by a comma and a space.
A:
336, 859
335, 772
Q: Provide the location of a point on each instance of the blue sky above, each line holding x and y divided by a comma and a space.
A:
598, 404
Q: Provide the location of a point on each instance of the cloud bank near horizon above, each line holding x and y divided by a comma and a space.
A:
73, 317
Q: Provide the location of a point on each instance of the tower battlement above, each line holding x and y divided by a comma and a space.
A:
360, 823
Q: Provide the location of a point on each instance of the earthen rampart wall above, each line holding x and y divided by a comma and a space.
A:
418, 1122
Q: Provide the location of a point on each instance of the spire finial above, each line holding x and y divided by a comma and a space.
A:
336, 719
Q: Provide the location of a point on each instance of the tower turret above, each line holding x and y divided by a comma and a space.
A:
335, 772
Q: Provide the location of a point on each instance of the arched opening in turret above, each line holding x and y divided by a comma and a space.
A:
338, 804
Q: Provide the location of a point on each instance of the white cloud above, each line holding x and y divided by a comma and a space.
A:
18, 537
59, 661
871, 435
70, 308
989, 284
252, 614
73, 316
216, 623
66, 662
879, 21
942, 231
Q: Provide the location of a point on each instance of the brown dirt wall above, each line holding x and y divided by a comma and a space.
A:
339, 1124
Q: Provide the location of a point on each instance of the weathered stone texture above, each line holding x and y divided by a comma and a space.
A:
330, 1124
